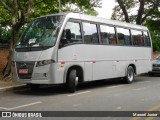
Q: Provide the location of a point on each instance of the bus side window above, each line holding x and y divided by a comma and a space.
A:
113, 40
71, 34
146, 39
90, 33
137, 38
124, 36
107, 34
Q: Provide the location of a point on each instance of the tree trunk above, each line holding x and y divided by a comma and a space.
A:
7, 69
121, 4
140, 12
15, 38
19, 18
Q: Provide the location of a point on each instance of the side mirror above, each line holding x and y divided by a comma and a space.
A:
68, 34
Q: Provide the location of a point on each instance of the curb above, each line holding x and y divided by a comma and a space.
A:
14, 87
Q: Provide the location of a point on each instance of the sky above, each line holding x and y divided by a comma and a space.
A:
106, 10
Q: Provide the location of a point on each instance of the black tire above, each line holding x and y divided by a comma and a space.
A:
71, 82
151, 74
130, 75
34, 87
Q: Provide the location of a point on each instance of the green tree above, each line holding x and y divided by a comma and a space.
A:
16, 13
126, 10
154, 27
5, 35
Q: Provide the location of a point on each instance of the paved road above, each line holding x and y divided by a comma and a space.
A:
141, 95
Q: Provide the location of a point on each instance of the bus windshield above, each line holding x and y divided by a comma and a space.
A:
40, 34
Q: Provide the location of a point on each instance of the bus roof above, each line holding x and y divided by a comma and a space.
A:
99, 20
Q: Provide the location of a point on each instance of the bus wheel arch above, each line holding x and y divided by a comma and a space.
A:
130, 73
74, 76
134, 67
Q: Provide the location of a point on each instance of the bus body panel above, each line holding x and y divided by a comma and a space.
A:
106, 61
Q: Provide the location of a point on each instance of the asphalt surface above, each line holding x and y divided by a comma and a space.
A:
106, 95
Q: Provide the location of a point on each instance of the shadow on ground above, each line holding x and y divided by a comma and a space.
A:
87, 86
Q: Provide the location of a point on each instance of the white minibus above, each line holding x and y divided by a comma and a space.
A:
70, 48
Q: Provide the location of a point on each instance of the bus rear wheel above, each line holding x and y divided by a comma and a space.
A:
130, 75
72, 81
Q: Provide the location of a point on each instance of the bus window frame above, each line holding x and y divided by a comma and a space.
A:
108, 25
139, 30
80, 25
130, 37
148, 38
98, 32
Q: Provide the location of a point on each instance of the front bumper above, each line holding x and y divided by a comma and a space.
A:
47, 74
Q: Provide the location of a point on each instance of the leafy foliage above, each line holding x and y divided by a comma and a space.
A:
137, 10
154, 28
5, 35
39, 8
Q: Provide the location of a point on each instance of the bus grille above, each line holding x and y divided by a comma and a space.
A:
25, 65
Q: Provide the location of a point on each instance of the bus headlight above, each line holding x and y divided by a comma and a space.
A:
44, 62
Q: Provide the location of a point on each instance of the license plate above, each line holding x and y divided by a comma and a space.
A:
23, 71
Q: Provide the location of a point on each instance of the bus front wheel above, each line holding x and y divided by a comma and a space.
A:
130, 75
72, 81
